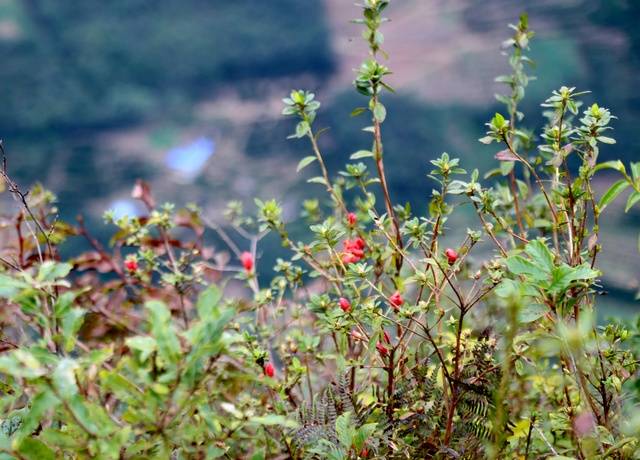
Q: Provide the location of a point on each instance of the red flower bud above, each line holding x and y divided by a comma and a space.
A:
269, 370
348, 258
452, 255
344, 304
131, 264
356, 335
247, 261
352, 218
382, 349
353, 250
387, 337
364, 453
396, 300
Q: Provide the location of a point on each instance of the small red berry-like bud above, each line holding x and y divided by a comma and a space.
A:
348, 258
352, 218
269, 370
247, 261
396, 300
387, 337
382, 349
359, 243
131, 264
344, 304
364, 453
356, 335
452, 255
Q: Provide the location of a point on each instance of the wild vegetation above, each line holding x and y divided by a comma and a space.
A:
380, 336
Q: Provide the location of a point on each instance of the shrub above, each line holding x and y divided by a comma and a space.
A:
386, 334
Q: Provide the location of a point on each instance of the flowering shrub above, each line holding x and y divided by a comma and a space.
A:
374, 340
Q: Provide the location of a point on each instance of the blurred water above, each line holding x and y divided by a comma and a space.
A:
189, 160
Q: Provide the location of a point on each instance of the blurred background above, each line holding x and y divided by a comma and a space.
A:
187, 96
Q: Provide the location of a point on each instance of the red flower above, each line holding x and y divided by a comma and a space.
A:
364, 453
131, 264
352, 218
396, 300
382, 349
452, 255
387, 337
247, 261
269, 370
344, 304
353, 250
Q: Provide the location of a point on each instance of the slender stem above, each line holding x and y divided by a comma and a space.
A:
377, 142
325, 173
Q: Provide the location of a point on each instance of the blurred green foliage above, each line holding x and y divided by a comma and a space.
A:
93, 63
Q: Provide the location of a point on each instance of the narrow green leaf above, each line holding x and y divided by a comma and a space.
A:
306, 161
606, 140
616, 164
71, 323
633, 199
612, 193
361, 154
317, 180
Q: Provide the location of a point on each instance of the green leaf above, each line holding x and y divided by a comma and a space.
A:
635, 171
63, 303
40, 404
317, 180
616, 164
214, 452
306, 161
606, 140
51, 271
34, 449
532, 312
71, 323
345, 430
612, 193
518, 265
361, 154
10, 287
208, 301
164, 332
363, 433
564, 275
272, 419
633, 199
302, 129
64, 378
21, 363
379, 112
144, 345
540, 253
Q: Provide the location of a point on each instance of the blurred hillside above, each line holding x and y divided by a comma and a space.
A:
187, 94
